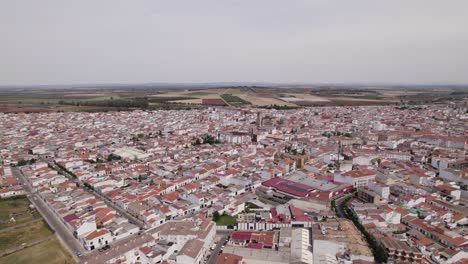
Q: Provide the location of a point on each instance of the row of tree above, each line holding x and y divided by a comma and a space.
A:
206, 139
336, 133
134, 103
23, 162
278, 107
66, 170
379, 252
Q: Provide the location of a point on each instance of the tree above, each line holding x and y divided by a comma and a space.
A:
420, 216
216, 216
112, 157
22, 162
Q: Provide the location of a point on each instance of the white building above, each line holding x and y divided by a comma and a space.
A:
380, 189
97, 239
300, 246
356, 178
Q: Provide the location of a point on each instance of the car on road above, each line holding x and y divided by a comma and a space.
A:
78, 254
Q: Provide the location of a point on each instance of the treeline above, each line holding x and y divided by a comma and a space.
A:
23, 162
134, 103
206, 139
66, 170
336, 133
278, 107
380, 255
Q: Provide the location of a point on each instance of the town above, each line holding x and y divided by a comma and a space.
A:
228, 185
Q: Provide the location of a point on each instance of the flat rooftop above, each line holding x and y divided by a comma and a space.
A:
288, 186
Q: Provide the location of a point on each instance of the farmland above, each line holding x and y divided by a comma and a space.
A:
25, 237
110, 98
15, 211
24, 234
234, 100
50, 251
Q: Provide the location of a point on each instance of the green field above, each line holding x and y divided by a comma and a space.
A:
50, 252
235, 100
226, 220
18, 208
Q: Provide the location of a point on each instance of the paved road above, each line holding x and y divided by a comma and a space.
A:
215, 253
108, 202
118, 248
64, 234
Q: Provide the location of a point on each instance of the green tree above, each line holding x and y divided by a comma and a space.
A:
216, 216
22, 162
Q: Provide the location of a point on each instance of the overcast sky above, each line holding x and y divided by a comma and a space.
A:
326, 41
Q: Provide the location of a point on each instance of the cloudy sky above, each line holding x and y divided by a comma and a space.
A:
312, 41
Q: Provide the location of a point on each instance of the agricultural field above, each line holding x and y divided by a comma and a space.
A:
166, 99
109, 98
50, 252
25, 237
234, 100
16, 236
16, 211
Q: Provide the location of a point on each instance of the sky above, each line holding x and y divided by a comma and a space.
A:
196, 41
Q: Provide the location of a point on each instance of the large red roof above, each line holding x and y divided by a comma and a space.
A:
289, 187
241, 236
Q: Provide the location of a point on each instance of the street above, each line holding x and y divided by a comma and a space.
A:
63, 233
215, 252
117, 248
109, 203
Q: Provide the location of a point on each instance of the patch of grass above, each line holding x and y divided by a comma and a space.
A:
226, 220
50, 251
17, 236
17, 207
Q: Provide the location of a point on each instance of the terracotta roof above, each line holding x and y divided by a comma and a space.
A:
228, 258
96, 233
